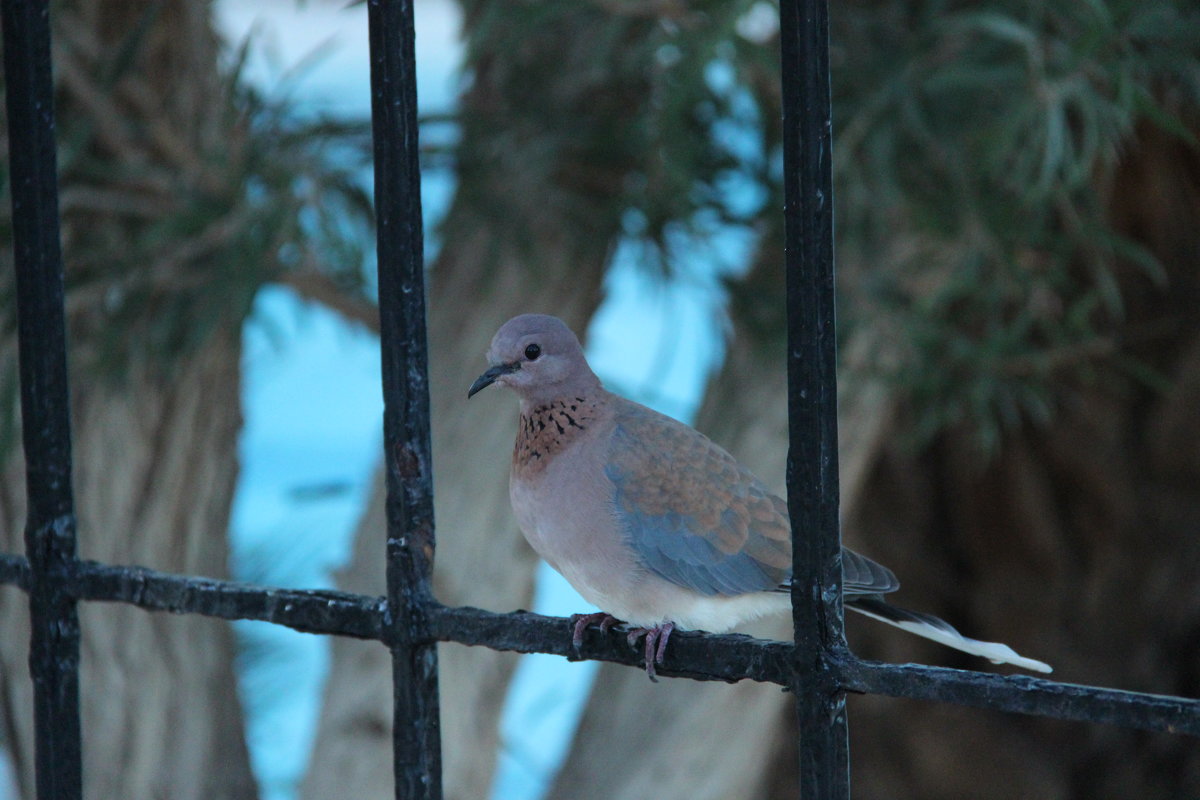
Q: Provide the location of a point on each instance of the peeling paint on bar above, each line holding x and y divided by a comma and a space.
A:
308, 611
407, 445
698, 656
1023, 694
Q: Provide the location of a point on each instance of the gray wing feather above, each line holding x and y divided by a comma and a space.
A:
861, 575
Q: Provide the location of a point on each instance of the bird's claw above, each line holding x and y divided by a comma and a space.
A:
582, 621
655, 645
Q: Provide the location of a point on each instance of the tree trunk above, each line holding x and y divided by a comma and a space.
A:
154, 440
155, 466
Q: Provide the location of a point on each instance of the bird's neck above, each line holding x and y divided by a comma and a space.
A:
548, 428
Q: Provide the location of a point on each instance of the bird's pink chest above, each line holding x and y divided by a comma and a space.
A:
558, 490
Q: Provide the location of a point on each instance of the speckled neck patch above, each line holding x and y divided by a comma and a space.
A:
547, 429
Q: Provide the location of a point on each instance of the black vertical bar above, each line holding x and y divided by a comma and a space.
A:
812, 400
408, 453
45, 402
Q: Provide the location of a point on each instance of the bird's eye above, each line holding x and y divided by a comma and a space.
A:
532, 352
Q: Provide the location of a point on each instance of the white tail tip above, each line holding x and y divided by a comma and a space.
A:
995, 652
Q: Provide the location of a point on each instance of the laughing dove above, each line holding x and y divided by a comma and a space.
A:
650, 520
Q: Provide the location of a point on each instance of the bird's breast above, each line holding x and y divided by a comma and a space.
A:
564, 506
562, 501
546, 431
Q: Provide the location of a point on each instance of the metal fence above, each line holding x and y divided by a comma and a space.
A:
817, 667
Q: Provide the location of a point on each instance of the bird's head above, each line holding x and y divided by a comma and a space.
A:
538, 357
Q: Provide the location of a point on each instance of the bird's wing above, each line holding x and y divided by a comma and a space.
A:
698, 518
692, 514
861, 575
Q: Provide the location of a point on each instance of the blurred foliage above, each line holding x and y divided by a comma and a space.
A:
975, 145
975, 157
609, 105
173, 218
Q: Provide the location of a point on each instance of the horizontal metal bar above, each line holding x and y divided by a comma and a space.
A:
309, 611
700, 656
1023, 694
694, 655
732, 658
14, 570
724, 658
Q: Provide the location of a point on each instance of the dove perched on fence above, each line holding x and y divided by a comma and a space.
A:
650, 520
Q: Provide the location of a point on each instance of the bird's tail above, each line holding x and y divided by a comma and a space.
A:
938, 630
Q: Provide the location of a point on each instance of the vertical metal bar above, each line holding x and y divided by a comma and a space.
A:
408, 452
812, 400
45, 401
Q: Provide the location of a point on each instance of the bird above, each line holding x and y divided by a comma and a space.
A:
650, 520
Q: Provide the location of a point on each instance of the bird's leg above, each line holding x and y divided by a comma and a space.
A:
656, 645
581, 621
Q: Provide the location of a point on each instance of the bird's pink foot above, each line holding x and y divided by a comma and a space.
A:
656, 645
582, 621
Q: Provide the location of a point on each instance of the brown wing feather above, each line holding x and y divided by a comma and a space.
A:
693, 514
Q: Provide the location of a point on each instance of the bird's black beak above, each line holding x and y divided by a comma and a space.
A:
488, 378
